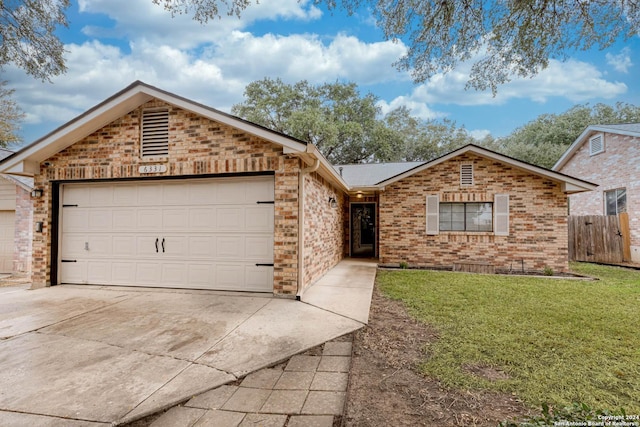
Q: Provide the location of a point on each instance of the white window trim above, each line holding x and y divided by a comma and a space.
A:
592, 139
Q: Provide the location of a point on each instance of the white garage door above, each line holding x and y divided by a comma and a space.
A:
7, 231
198, 234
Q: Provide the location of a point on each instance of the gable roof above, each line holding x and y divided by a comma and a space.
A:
25, 161
23, 181
369, 174
569, 183
628, 129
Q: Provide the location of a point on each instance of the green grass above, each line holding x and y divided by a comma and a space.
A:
559, 341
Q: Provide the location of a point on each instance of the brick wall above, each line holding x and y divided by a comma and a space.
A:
617, 167
537, 229
197, 146
23, 231
323, 227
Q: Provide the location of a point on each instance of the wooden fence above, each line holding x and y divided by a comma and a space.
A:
600, 238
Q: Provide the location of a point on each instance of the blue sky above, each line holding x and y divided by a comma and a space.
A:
111, 43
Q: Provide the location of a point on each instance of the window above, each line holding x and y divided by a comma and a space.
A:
487, 217
596, 144
615, 201
466, 216
155, 132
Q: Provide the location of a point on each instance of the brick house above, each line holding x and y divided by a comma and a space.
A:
610, 156
151, 189
15, 221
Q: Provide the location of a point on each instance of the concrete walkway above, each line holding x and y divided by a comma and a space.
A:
309, 390
85, 355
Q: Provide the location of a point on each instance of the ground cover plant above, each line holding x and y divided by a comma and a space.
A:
546, 341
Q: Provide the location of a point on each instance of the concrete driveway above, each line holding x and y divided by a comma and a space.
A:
84, 355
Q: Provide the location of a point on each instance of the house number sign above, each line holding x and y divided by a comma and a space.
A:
152, 169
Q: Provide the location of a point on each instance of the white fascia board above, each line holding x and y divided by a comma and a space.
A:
326, 167
73, 131
578, 185
264, 133
23, 168
583, 138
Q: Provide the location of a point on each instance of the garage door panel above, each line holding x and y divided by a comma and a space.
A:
202, 247
175, 219
174, 246
125, 195
149, 219
99, 272
202, 194
74, 272
149, 195
259, 248
260, 191
174, 273
175, 194
214, 233
229, 247
99, 245
148, 273
7, 233
259, 218
230, 276
76, 195
73, 246
147, 246
200, 275
101, 196
230, 219
257, 277
123, 273
203, 219
75, 219
124, 219
100, 219
124, 246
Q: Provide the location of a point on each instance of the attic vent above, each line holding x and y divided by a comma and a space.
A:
155, 133
466, 174
596, 144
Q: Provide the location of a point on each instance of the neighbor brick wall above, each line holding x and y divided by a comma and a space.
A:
23, 231
323, 227
537, 229
197, 146
617, 167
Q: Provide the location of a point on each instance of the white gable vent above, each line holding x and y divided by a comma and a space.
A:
466, 174
596, 144
155, 132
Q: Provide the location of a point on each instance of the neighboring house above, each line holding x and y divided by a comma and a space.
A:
610, 156
151, 189
15, 221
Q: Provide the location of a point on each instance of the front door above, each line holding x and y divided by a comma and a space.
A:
363, 230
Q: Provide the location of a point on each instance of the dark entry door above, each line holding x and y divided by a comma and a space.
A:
363, 230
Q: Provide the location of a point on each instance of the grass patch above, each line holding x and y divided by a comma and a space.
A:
557, 341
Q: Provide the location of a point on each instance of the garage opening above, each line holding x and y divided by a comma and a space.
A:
213, 233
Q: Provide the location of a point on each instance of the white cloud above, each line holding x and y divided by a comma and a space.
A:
479, 134
620, 62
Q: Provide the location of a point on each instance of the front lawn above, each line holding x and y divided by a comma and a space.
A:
545, 340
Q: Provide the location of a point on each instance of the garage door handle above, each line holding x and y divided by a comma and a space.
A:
264, 265
163, 245
156, 244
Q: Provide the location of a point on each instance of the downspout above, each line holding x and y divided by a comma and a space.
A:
301, 175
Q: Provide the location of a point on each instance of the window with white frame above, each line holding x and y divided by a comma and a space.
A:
615, 201
468, 216
596, 144
155, 132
